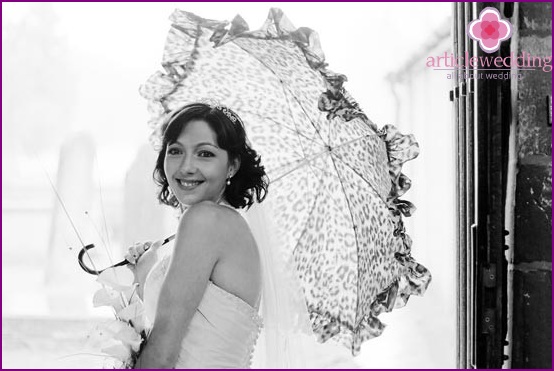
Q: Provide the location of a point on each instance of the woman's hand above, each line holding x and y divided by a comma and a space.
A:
141, 257
136, 251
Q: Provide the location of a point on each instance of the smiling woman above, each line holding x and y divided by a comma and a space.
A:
205, 168
204, 155
196, 167
116, 184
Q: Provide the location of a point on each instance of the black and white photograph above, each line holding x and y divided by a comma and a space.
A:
276, 185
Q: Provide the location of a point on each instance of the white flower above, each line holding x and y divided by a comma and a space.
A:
131, 295
103, 334
107, 296
118, 278
129, 337
121, 338
134, 313
112, 335
119, 351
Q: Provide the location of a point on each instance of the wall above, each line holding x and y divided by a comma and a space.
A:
532, 269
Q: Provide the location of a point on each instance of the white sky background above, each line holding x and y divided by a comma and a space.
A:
112, 48
80, 72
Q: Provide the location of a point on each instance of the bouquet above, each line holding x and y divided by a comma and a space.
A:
123, 338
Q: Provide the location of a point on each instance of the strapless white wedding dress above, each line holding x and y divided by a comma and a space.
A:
222, 332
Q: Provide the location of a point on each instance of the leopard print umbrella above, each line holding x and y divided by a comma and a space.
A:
335, 178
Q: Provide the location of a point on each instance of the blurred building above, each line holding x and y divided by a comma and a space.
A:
423, 109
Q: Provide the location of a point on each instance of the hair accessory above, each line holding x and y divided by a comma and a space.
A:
217, 105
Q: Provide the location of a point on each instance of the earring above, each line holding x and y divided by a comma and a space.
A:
229, 179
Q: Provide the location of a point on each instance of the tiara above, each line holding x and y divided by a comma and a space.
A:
213, 103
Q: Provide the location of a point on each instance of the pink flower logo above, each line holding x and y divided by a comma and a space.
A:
489, 30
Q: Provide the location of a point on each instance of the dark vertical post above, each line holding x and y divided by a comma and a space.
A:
470, 222
462, 325
482, 107
492, 123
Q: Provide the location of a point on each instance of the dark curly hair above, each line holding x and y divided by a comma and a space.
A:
250, 180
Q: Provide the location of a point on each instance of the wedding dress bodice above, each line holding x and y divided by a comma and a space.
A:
223, 330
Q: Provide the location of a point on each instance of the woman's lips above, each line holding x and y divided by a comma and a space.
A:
188, 185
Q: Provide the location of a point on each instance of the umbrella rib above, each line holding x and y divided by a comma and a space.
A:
353, 227
361, 177
283, 85
350, 167
329, 131
302, 161
352, 184
290, 171
309, 216
333, 174
312, 140
353, 140
280, 124
323, 172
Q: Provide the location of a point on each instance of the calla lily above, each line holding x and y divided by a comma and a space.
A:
118, 278
120, 338
128, 336
131, 312
131, 295
119, 351
107, 296
101, 334
112, 327
134, 314
107, 330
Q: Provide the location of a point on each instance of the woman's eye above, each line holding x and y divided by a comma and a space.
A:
205, 154
173, 151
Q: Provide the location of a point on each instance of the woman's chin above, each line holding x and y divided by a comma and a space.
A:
188, 201
190, 198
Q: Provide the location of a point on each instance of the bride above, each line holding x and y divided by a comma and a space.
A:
203, 297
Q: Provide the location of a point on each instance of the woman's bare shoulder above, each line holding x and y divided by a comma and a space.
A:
208, 216
210, 210
205, 232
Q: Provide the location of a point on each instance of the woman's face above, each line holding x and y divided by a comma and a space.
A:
195, 167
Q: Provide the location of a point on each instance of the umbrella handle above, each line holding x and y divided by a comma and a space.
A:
123, 262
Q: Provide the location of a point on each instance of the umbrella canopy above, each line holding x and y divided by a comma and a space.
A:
335, 178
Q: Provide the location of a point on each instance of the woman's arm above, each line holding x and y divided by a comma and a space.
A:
142, 257
193, 261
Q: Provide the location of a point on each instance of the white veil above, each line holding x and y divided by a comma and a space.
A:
286, 340
287, 329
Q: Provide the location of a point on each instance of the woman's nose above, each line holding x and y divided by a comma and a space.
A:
188, 165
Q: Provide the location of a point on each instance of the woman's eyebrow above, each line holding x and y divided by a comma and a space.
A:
206, 144
198, 144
